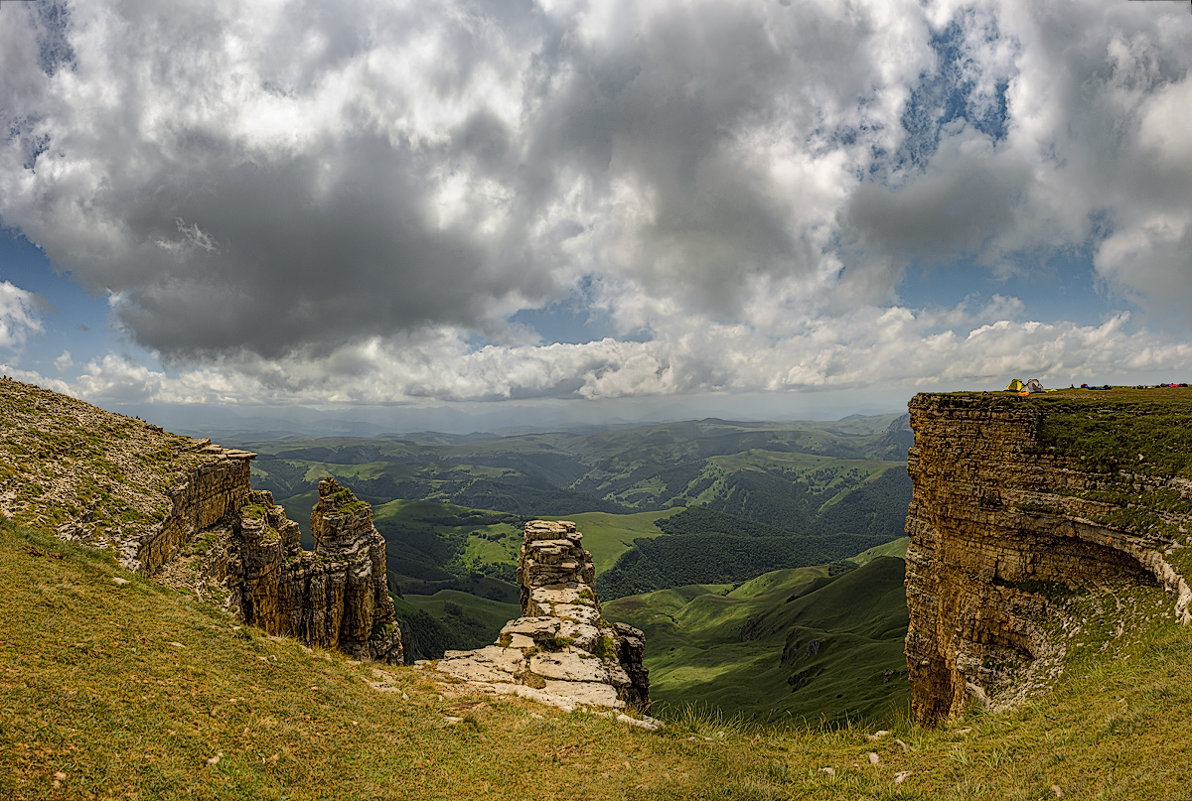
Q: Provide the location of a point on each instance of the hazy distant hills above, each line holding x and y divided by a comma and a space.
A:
666, 505
745, 469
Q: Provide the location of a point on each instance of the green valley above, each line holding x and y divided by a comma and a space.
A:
661, 507
810, 645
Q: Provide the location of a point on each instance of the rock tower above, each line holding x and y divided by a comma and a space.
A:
561, 650
336, 596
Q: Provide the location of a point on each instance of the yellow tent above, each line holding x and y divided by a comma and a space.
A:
1014, 386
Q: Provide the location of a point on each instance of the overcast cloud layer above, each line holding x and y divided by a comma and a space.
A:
350, 200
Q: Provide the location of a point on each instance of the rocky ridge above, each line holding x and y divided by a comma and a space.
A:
183, 511
561, 650
1022, 507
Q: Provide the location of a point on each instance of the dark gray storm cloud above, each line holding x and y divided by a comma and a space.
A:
279, 181
251, 184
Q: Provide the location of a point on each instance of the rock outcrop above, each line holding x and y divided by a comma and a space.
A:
206, 494
183, 511
1021, 505
561, 650
336, 596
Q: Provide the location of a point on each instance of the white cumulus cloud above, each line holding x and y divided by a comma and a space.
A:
352, 200
18, 315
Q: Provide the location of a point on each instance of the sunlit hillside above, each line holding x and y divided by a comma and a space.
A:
112, 690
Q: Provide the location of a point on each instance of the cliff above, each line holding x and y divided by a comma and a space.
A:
183, 511
1023, 510
561, 650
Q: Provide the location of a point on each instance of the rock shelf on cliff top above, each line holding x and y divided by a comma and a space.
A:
183, 510
1020, 505
561, 650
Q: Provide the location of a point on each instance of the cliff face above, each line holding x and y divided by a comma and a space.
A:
561, 650
207, 493
336, 596
1021, 504
183, 510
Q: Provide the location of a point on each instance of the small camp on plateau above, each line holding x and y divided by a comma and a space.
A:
1017, 385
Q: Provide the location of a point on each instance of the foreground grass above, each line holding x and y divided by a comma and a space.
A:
137, 692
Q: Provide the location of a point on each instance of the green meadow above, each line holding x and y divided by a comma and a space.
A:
791, 645
142, 692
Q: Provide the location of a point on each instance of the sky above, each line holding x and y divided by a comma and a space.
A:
475, 214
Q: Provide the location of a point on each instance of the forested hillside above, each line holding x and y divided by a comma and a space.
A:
710, 547
661, 506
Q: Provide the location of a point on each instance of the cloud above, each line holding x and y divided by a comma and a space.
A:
18, 315
351, 200
1086, 156
291, 177
870, 348
34, 377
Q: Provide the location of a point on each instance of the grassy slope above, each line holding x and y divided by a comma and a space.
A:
897, 549
608, 535
128, 692
738, 651
493, 614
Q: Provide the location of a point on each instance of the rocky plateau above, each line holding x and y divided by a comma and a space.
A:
1021, 505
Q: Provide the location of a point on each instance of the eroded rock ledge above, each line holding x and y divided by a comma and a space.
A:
334, 597
1017, 501
561, 650
183, 510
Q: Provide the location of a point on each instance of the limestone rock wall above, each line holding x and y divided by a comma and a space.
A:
336, 596
213, 490
183, 510
561, 650
1001, 512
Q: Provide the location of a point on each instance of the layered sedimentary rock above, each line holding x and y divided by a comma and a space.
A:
183, 511
205, 494
111, 481
1018, 504
336, 596
561, 650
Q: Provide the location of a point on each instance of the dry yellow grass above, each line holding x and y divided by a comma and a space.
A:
138, 692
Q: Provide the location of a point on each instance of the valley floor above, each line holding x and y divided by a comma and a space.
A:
133, 691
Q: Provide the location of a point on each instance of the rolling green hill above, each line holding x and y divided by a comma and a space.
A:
449, 620
141, 692
664, 505
790, 644
608, 536
115, 686
708, 546
779, 473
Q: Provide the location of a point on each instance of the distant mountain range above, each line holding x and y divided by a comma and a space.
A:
708, 462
